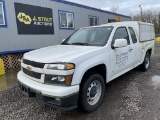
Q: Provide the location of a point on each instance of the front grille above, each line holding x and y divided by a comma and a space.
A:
34, 64
32, 74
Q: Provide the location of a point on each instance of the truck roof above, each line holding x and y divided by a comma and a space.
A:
134, 24
128, 23
144, 31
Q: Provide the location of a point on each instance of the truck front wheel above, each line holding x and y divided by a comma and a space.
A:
92, 93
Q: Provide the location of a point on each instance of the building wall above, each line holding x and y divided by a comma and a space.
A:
11, 41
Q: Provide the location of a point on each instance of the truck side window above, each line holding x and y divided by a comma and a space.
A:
133, 35
121, 33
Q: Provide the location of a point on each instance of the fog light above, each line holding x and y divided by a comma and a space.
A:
64, 80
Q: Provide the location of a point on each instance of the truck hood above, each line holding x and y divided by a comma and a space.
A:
60, 53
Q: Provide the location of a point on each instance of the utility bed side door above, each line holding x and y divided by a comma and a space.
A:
121, 58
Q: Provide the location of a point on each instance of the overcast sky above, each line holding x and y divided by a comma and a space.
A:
126, 7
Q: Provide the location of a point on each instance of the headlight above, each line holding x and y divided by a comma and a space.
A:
61, 66
63, 80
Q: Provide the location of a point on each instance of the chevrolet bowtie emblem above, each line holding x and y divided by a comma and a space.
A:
29, 68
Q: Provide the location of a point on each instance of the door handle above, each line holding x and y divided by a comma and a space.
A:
130, 49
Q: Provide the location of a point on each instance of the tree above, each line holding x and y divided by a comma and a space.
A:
159, 23
150, 17
114, 9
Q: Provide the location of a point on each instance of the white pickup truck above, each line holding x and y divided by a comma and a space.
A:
74, 73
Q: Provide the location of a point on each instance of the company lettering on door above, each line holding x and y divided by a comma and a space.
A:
121, 59
33, 19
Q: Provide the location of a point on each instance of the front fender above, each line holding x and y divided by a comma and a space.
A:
86, 65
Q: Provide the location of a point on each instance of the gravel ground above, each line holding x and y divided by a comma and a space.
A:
133, 96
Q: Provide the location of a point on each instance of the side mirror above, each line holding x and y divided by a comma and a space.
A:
63, 40
120, 43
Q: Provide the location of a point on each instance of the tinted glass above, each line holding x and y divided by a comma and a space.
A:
96, 21
133, 35
63, 20
121, 33
70, 20
97, 36
0, 8
93, 21
1, 14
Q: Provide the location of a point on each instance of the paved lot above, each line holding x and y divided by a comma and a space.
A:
133, 96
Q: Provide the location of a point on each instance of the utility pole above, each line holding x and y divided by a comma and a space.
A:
141, 11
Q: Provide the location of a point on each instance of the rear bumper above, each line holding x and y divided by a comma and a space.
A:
56, 96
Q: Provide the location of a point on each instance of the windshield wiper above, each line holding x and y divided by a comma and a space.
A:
79, 43
65, 44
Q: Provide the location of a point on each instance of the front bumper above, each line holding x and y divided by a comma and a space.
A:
57, 96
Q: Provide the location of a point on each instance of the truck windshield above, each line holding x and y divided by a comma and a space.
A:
95, 36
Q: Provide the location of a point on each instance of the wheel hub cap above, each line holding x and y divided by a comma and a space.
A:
94, 92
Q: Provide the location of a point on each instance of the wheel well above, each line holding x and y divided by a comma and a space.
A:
149, 51
100, 69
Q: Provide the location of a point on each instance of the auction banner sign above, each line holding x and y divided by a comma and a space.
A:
34, 19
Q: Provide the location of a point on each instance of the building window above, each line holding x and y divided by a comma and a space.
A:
2, 14
93, 20
66, 20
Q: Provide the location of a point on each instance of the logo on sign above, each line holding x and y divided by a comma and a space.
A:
24, 18
29, 68
33, 19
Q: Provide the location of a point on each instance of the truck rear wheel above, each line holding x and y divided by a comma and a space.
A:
92, 93
146, 63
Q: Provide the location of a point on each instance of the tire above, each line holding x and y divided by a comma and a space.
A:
92, 93
146, 63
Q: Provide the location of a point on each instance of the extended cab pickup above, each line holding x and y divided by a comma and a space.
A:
74, 73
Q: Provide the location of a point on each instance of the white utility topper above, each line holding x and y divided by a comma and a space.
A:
74, 73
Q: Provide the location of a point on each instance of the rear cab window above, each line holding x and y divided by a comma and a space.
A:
133, 35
